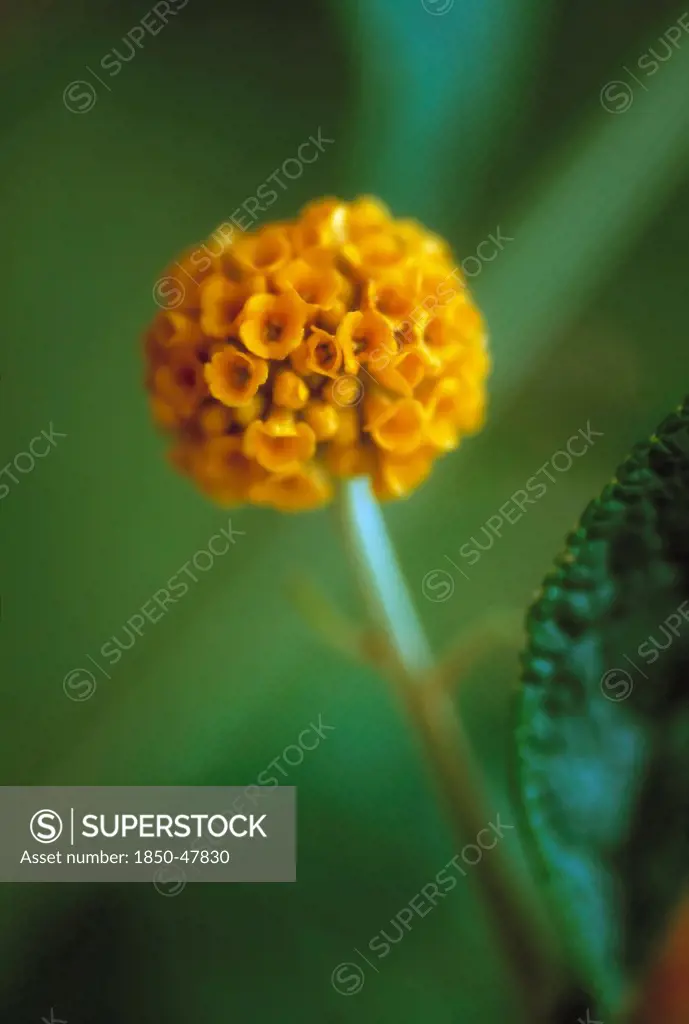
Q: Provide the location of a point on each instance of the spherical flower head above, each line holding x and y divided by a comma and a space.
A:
339, 344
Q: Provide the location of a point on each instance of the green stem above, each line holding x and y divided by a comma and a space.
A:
432, 711
378, 573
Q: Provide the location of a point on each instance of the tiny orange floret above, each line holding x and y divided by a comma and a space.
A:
222, 300
302, 488
290, 391
323, 419
265, 251
272, 326
279, 444
395, 424
366, 336
319, 353
234, 377
316, 282
180, 383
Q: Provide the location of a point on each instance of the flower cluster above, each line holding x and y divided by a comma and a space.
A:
340, 344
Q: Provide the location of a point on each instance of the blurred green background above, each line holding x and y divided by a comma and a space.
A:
470, 116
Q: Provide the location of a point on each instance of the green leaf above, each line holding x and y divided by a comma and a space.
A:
603, 736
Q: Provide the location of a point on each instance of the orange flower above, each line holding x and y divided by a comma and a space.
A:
396, 297
365, 215
272, 326
344, 392
215, 419
315, 281
234, 377
320, 353
472, 363
279, 444
225, 472
399, 475
265, 251
429, 249
302, 488
376, 253
396, 425
437, 288
319, 227
365, 336
405, 371
471, 415
349, 460
467, 319
443, 400
454, 328
180, 382
253, 410
377, 246
290, 391
222, 300
442, 334
323, 419
338, 344
349, 427
171, 328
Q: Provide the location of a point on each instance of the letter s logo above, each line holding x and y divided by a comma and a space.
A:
46, 826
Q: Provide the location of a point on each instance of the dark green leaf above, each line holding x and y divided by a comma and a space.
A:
603, 735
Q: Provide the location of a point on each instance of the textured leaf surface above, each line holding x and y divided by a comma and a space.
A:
603, 736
